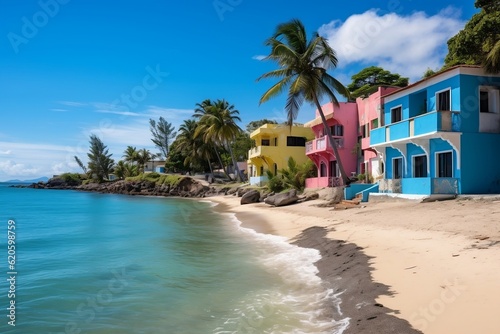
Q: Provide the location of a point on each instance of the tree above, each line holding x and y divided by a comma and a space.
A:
194, 147
202, 109
143, 156
100, 163
429, 72
130, 154
303, 70
80, 163
163, 133
241, 146
369, 79
254, 125
479, 42
125, 169
218, 124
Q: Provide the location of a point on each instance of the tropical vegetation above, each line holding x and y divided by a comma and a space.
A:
370, 78
302, 71
479, 42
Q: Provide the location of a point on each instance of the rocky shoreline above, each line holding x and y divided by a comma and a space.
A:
186, 187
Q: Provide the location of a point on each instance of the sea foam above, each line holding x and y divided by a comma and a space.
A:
297, 303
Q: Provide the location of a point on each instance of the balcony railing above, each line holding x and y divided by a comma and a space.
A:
448, 121
264, 150
322, 144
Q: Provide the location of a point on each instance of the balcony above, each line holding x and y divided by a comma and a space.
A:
322, 144
435, 121
264, 151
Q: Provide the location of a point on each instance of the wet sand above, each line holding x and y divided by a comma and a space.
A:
402, 266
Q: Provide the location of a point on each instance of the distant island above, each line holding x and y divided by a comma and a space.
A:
40, 179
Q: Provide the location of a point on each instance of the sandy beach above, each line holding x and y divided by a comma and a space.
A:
403, 266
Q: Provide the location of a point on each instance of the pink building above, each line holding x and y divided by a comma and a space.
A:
370, 116
343, 122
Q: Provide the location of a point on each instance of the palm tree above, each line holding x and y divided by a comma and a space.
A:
218, 125
130, 154
142, 158
201, 110
302, 70
492, 61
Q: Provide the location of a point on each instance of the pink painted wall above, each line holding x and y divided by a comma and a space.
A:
369, 109
347, 115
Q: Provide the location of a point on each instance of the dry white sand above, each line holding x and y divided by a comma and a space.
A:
441, 259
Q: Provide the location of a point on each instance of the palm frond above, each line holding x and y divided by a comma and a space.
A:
293, 103
276, 89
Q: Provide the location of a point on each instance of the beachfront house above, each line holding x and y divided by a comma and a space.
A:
370, 116
274, 145
441, 135
343, 123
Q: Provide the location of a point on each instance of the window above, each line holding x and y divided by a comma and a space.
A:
275, 169
276, 141
444, 164
396, 114
375, 123
261, 171
264, 142
364, 130
334, 169
489, 99
484, 101
420, 166
397, 168
322, 170
443, 100
295, 141
337, 130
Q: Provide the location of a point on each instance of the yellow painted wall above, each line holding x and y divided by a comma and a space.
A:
277, 152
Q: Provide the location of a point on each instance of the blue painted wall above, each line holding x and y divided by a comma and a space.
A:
390, 154
452, 83
439, 145
412, 150
480, 163
417, 186
469, 98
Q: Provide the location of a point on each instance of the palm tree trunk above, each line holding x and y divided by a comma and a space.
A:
221, 164
333, 144
235, 163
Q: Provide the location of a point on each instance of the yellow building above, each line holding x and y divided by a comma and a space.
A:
274, 144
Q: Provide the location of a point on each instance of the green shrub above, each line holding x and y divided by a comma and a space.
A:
276, 184
72, 179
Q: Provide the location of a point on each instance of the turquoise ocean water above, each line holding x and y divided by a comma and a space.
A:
95, 263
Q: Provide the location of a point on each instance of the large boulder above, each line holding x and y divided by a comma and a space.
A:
282, 199
251, 196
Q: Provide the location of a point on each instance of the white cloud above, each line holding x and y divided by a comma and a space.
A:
259, 57
14, 169
72, 103
37, 159
59, 110
7, 152
407, 45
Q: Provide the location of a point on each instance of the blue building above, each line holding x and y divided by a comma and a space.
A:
441, 135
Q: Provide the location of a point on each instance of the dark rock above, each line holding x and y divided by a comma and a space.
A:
251, 196
282, 199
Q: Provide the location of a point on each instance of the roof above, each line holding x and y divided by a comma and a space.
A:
431, 77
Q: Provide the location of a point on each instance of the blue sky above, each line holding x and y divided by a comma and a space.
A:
70, 68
